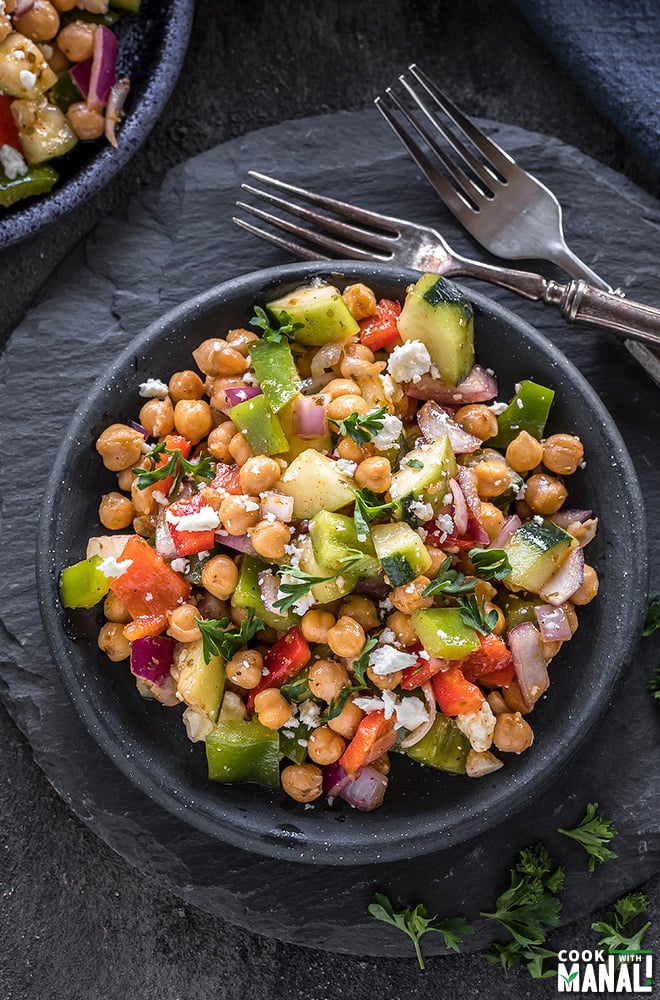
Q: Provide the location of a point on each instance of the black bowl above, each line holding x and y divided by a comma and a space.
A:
424, 810
152, 45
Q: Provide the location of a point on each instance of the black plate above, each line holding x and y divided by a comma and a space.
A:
152, 45
424, 810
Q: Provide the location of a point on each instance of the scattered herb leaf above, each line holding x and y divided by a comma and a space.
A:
368, 508
593, 832
293, 591
296, 691
362, 429
176, 466
414, 463
337, 705
361, 664
474, 614
654, 683
415, 923
449, 581
617, 919
286, 328
490, 564
652, 623
219, 640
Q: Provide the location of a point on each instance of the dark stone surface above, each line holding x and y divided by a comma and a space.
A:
76, 921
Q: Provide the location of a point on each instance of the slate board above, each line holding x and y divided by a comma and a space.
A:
174, 240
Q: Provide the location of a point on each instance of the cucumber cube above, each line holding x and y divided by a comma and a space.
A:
444, 747
324, 315
439, 315
315, 483
334, 540
442, 632
535, 552
428, 483
200, 685
401, 552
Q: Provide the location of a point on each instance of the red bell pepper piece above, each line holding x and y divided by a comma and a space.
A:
8, 130
441, 540
145, 625
381, 329
491, 665
227, 479
172, 442
422, 671
185, 542
374, 736
282, 661
148, 588
454, 694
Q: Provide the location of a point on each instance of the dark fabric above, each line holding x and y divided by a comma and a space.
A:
612, 49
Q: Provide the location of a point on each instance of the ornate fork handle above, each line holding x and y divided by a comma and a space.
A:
582, 303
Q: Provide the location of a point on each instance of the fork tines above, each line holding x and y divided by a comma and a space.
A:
366, 236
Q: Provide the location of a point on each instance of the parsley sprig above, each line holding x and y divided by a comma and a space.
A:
219, 640
361, 664
475, 616
368, 508
593, 832
415, 923
176, 466
652, 623
654, 683
336, 705
285, 330
616, 921
301, 583
449, 581
490, 564
362, 429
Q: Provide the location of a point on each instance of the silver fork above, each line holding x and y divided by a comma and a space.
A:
359, 234
509, 212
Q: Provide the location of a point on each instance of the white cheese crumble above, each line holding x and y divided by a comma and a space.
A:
309, 714
160, 498
478, 727
303, 604
498, 408
346, 467
386, 605
12, 162
387, 659
153, 388
408, 713
389, 434
27, 78
445, 523
409, 361
387, 635
180, 565
250, 378
201, 520
276, 505
422, 511
111, 568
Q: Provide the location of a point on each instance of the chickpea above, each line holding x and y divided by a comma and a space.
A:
65, 5
408, 597
501, 620
512, 734
550, 649
185, 385
40, 23
401, 625
347, 721
375, 474
220, 577
115, 511
115, 611
437, 559
5, 27
358, 361
341, 387
269, 538
144, 526
76, 40
120, 447
351, 450
218, 391
157, 417
514, 700
344, 406
182, 623
544, 494
315, 625
477, 419
385, 682
259, 474
219, 438
55, 58
587, 589
236, 517
237, 615
86, 122
302, 782
113, 643
244, 668
497, 703
327, 678
360, 300
217, 357
272, 708
493, 478
239, 449
570, 613
325, 746
144, 502
346, 637
193, 419
125, 479
362, 609
562, 453
241, 339
491, 518
524, 452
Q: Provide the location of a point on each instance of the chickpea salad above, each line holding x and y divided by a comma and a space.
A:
331, 543
58, 86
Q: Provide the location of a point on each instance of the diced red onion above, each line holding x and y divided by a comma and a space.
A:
553, 623
152, 657
421, 731
566, 580
509, 526
239, 394
334, 779
308, 418
269, 586
467, 480
460, 512
239, 543
138, 427
578, 523
81, 74
528, 662
434, 422
164, 542
565, 517
325, 359
478, 386
373, 586
366, 790
104, 58
114, 112
22, 7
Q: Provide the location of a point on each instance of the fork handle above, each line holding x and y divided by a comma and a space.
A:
582, 303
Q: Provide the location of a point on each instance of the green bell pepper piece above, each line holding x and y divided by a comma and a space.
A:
244, 751
247, 595
129, 6
444, 747
518, 610
527, 411
290, 746
442, 632
260, 426
64, 92
38, 180
276, 372
83, 585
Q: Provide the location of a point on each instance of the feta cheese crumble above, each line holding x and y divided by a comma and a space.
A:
153, 388
309, 714
408, 713
27, 78
12, 162
498, 408
387, 659
389, 434
346, 467
445, 523
422, 511
478, 727
201, 520
111, 568
180, 565
409, 361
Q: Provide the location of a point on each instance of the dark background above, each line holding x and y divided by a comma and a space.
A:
75, 921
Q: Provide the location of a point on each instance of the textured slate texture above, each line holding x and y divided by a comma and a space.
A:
163, 249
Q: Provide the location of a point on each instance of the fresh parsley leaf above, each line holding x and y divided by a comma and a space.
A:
361, 664
415, 923
449, 581
296, 691
219, 640
414, 463
652, 623
490, 564
629, 907
337, 705
286, 328
654, 683
474, 614
368, 508
362, 429
300, 583
593, 832
507, 955
176, 466
616, 921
